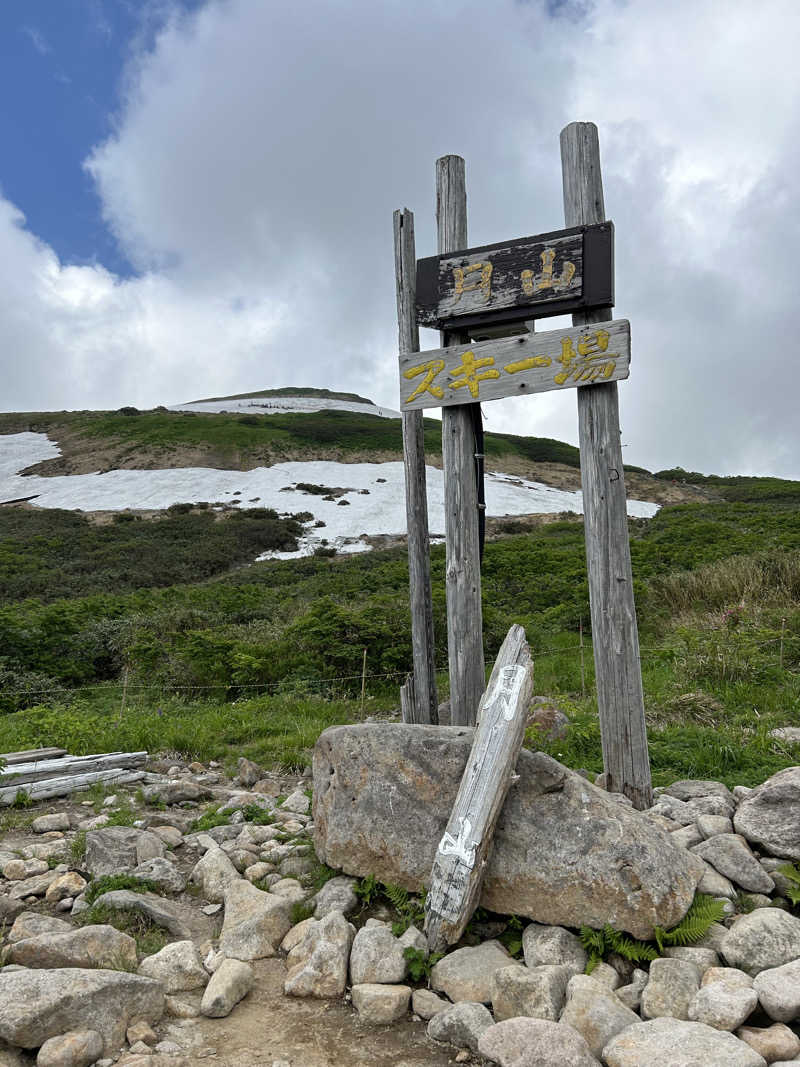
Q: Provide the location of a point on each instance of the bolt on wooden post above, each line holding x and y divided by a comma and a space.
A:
615, 635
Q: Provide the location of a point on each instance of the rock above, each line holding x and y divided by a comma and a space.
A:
289, 888
466, 974
715, 884
553, 945
687, 836
766, 938
248, 773
631, 994
89, 946
180, 1009
268, 787
296, 935
730, 975
214, 873
78, 1048
778, 990
596, 1013
722, 1004
232, 981
18, 869
730, 855
9, 908
141, 1031
702, 958
538, 992
679, 1044
39, 1004
177, 967
162, 873
670, 989
549, 720
32, 924
255, 922
693, 788
338, 894
535, 1043
378, 1005
460, 1025
68, 885
175, 792
425, 1003
770, 816
317, 967
297, 802
776, 1042
711, 825
377, 957
44, 824
118, 849
256, 871
170, 835
164, 913
605, 975
565, 853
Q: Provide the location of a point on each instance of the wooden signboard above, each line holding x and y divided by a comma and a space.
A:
514, 366
534, 277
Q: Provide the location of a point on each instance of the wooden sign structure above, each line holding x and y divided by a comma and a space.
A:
489, 292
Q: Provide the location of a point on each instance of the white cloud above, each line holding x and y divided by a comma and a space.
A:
261, 150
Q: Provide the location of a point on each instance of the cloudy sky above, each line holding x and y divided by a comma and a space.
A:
196, 197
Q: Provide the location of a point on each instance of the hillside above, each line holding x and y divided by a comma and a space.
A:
156, 628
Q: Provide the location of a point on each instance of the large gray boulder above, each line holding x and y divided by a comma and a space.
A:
89, 946
39, 1004
535, 1043
770, 815
565, 853
766, 938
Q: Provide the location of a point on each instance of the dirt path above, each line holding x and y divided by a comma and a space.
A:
268, 1026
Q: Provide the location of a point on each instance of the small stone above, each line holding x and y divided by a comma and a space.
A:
538, 992
255, 922
731, 855
596, 1013
177, 967
57, 820
770, 816
535, 1043
711, 825
778, 990
670, 989
466, 974
338, 894
631, 994
141, 1031
377, 957
673, 1041
170, 835
232, 981
77, 1048
289, 888
715, 884
296, 935
606, 975
776, 1042
553, 945
180, 1009
425, 1003
693, 788
162, 873
723, 1005
256, 871
211, 909
32, 924
99, 946
317, 966
702, 958
214, 873
248, 772
68, 885
378, 1005
764, 939
460, 1025
267, 787
297, 802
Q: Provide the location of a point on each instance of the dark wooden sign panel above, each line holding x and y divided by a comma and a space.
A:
533, 277
514, 366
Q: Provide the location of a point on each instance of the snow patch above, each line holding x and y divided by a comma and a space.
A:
349, 519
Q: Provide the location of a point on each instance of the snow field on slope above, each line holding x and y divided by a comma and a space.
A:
278, 405
375, 496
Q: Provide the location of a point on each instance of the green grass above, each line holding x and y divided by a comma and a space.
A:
149, 937
109, 882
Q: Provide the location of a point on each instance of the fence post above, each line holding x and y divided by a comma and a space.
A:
615, 635
422, 695
463, 569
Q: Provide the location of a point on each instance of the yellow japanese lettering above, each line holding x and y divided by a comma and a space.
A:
590, 361
468, 373
532, 284
528, 364
484, 283
430, 370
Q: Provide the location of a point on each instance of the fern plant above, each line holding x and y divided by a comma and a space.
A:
704, 911
420, 964
792, 872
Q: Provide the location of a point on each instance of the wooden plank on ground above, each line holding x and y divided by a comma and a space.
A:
61, 787
9, 759
515, 366
460, 860
38, 770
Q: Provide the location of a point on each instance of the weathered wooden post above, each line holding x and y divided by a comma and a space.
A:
615, 635
460, 860
463, 568
418, 698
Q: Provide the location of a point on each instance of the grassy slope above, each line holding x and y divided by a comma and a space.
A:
717, 585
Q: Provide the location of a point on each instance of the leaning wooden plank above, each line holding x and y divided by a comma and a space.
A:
9, 759
461, 857
61, 787
38, 770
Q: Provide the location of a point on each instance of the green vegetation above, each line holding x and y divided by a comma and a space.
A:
210, 818
791, 871
77, 848
692, 928
420, 964
149, 937
109, 882
288, 390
